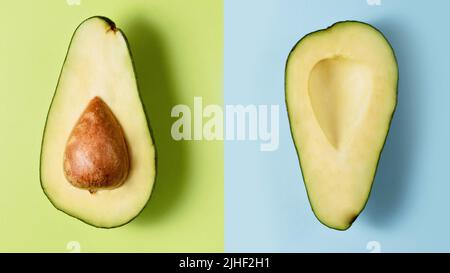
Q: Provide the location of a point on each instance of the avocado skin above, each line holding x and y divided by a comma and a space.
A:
388, 129
113, 26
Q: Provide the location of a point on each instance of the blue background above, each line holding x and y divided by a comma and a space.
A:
266, 207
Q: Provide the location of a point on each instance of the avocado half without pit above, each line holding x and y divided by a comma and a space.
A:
341, 93
98, 157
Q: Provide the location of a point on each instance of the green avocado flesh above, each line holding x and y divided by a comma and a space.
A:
341, 93
97, 106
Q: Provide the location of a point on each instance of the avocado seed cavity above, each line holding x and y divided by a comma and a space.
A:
96, 155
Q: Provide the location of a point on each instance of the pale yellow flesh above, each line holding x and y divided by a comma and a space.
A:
98, 64
341, 88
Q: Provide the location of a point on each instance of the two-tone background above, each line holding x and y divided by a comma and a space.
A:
214, 196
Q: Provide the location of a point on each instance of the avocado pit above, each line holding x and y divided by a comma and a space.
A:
96, 155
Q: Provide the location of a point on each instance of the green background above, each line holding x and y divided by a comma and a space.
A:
178, 52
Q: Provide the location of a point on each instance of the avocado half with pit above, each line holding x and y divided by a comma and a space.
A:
341, 93
97, 157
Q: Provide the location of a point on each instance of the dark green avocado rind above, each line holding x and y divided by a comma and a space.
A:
388, 129
113, 27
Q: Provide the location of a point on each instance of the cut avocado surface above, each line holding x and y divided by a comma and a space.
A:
341, 93
97, 157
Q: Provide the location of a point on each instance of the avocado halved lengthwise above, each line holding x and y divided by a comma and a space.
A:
97, 157
341, 93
